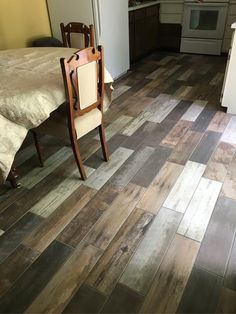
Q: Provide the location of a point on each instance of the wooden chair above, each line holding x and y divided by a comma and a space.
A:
83, 76
86, 33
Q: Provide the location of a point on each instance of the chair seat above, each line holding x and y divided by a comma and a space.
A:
57, 123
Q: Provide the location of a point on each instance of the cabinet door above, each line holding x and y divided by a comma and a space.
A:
131, 42
140, 38
152, 31
152, 16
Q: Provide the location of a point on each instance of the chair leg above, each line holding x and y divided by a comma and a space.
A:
12, 176
38, 148
78, 158
103, 142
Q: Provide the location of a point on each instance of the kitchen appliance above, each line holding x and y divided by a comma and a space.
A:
110, 18
203, 27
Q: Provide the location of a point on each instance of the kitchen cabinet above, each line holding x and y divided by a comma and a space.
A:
229, 90
143, 30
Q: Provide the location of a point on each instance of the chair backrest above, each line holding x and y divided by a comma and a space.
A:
84, 35
83, 76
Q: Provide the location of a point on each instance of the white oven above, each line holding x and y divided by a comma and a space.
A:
203, 27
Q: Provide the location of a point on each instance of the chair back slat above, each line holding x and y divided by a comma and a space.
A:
77, 35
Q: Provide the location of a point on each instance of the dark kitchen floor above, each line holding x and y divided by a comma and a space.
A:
152, 231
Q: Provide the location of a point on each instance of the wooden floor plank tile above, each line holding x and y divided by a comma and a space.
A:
48, 204
10, 197
15, 211
150, 134
138, 137
183, 92
86, 300
119, 91
146, 90
136, 104
178, 131
229, 186
66, 281
224, 153
165, 60
217, 243
230, 280
158, 133
217, 79
10, 240
185, 147
34, 279
123, 300
219, 122
206, 147
106, 170
129, 169
199, 211
162, 112
201, 293
216, 171
116, 126
14, 265
160, 187
179, 110
76, 230
186, 75
203, 120
184, 188
111, 265
194, 110
218, 165
134, 125
97, 159
38, 174
171, 278
157, 102
157, 73
112, 219
229, 135
25, 154
149, 170
174, 86
59, 219
227, 302
147, 259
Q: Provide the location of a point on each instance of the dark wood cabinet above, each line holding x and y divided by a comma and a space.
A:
143, 31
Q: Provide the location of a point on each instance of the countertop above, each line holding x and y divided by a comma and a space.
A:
144, 5
149, 3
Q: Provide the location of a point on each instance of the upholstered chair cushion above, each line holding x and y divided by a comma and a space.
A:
56, 124
88, 122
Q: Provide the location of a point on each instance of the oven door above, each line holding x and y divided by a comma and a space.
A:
204, 20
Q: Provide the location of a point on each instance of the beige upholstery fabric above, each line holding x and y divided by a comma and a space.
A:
87, 84
88, 122
31, 88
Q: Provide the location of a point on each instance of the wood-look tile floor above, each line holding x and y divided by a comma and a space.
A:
153, 230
